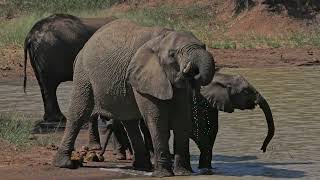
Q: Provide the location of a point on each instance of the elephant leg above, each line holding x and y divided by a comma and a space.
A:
80, 109
107, 136
52, 109
141, 157
156, 116
48, 88
120, 140
52, 112
146, 136
207, 141
94, 138
181, 125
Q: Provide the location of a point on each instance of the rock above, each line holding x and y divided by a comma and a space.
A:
52, 147
91, 157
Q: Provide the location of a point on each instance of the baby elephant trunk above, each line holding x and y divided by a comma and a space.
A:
268, 114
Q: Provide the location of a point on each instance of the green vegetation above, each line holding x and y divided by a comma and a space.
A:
178, 18
14, 32
52, 6
17, 129
198, 18
193, 18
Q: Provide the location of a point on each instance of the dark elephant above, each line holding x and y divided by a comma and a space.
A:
129, 72
53, 44
225, 93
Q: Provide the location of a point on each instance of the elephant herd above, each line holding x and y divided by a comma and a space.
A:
151, 79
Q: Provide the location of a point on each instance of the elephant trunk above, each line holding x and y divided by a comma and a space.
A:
201, 62
261, 101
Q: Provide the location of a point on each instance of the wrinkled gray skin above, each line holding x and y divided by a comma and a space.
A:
129, 72
225, 93
53, 44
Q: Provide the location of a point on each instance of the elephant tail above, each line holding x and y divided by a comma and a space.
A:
26, 49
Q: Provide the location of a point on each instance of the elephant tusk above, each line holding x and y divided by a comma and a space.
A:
182, 75
187, 68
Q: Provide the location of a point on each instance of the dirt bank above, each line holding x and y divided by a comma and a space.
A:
11, 59
263, 58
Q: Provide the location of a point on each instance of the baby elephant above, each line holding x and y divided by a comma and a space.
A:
224, 93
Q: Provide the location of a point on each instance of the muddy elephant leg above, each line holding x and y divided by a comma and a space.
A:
207, 141
156, 116
181, 125
80, 109
94, 138
141, 157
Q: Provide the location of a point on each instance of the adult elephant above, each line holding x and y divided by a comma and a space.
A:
128, 72
225, 93
53, 44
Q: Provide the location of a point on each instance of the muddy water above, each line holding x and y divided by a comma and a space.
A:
294, 153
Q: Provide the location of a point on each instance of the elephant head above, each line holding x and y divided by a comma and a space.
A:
169, 61
229, 92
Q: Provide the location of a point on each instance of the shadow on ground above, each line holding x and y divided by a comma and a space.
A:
248, 166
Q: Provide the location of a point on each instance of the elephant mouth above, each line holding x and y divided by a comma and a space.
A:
251, 106
189, 72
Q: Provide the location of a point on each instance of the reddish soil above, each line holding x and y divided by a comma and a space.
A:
258, 20
11, 60
267, 58
35, 163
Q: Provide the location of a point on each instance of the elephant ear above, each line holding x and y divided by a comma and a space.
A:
219, 96
145, 73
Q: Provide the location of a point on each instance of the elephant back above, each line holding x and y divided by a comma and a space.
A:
109, 51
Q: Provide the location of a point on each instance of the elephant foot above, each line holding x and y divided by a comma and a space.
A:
205, 166
205, 158
181, 171
162, 172
142, 162
63, 160
182, 166
205, 171
54, 118
142, 166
